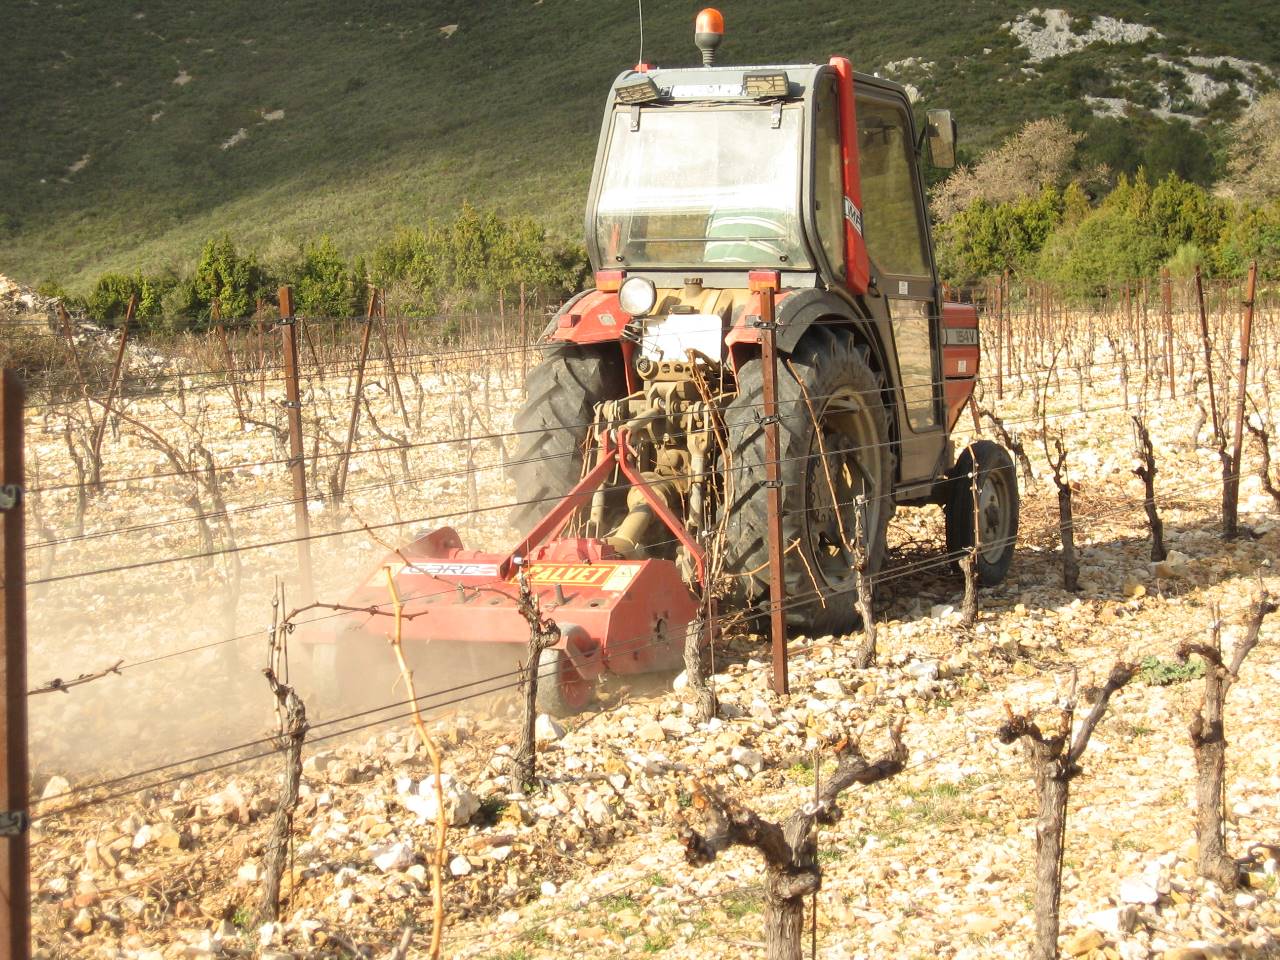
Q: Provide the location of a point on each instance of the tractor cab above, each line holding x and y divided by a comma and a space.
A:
704, 174
730, 169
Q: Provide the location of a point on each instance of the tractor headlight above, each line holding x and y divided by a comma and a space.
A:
637, 296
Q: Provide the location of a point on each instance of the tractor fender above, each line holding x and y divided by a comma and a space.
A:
804, 308
565, 309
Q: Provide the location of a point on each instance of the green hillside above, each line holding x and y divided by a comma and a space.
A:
122, 122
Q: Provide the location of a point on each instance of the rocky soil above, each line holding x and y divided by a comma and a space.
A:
933, 863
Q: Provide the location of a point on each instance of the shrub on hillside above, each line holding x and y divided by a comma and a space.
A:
108, 302
1250, 233
234, 279
324, 284
403, 267
1185, 260
1182, 212
1109, 246
1132, 233
986, 239
472, 260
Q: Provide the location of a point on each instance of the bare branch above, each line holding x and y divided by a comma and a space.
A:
58, 685
1120, 674
1262, 606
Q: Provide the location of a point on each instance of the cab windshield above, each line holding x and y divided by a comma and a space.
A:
708, 185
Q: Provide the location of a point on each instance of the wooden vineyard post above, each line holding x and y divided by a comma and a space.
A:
392, 375
1000, 338
95, 455
765, 283
297, 456
524, 336
15, 854
1166, 307
343, 464
1231, 483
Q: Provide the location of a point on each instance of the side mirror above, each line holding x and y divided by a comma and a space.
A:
942, 138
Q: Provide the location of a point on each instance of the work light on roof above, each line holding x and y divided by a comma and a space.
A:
643, 90
763, 86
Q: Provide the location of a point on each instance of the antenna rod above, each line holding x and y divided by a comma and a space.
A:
640, 5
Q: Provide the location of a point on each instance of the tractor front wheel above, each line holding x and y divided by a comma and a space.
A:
984, 472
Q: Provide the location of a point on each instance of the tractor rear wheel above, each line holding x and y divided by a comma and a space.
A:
834, 436
553, 425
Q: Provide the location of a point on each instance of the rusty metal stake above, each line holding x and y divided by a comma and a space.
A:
341, 490
1231, 489
765, 283
297, 457
15, 853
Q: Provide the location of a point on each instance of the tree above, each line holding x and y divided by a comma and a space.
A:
1250, 233
109, 300
1253, 158
1176, 148
1180, 212
1113, 243
324, 284
986, 239
226, 275
1040, 154
1134, 231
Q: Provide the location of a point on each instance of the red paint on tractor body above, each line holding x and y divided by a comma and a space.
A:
594, 318
960, 357
857, 262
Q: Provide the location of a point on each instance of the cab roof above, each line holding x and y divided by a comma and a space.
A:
728, 83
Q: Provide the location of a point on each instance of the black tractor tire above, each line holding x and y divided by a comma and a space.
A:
997, 483
847, 398
553, 426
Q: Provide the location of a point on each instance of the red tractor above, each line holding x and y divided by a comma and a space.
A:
641, 444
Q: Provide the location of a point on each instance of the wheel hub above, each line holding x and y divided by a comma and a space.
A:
992, 520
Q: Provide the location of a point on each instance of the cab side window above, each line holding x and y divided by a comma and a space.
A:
828, 177
913, 337
891, 217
